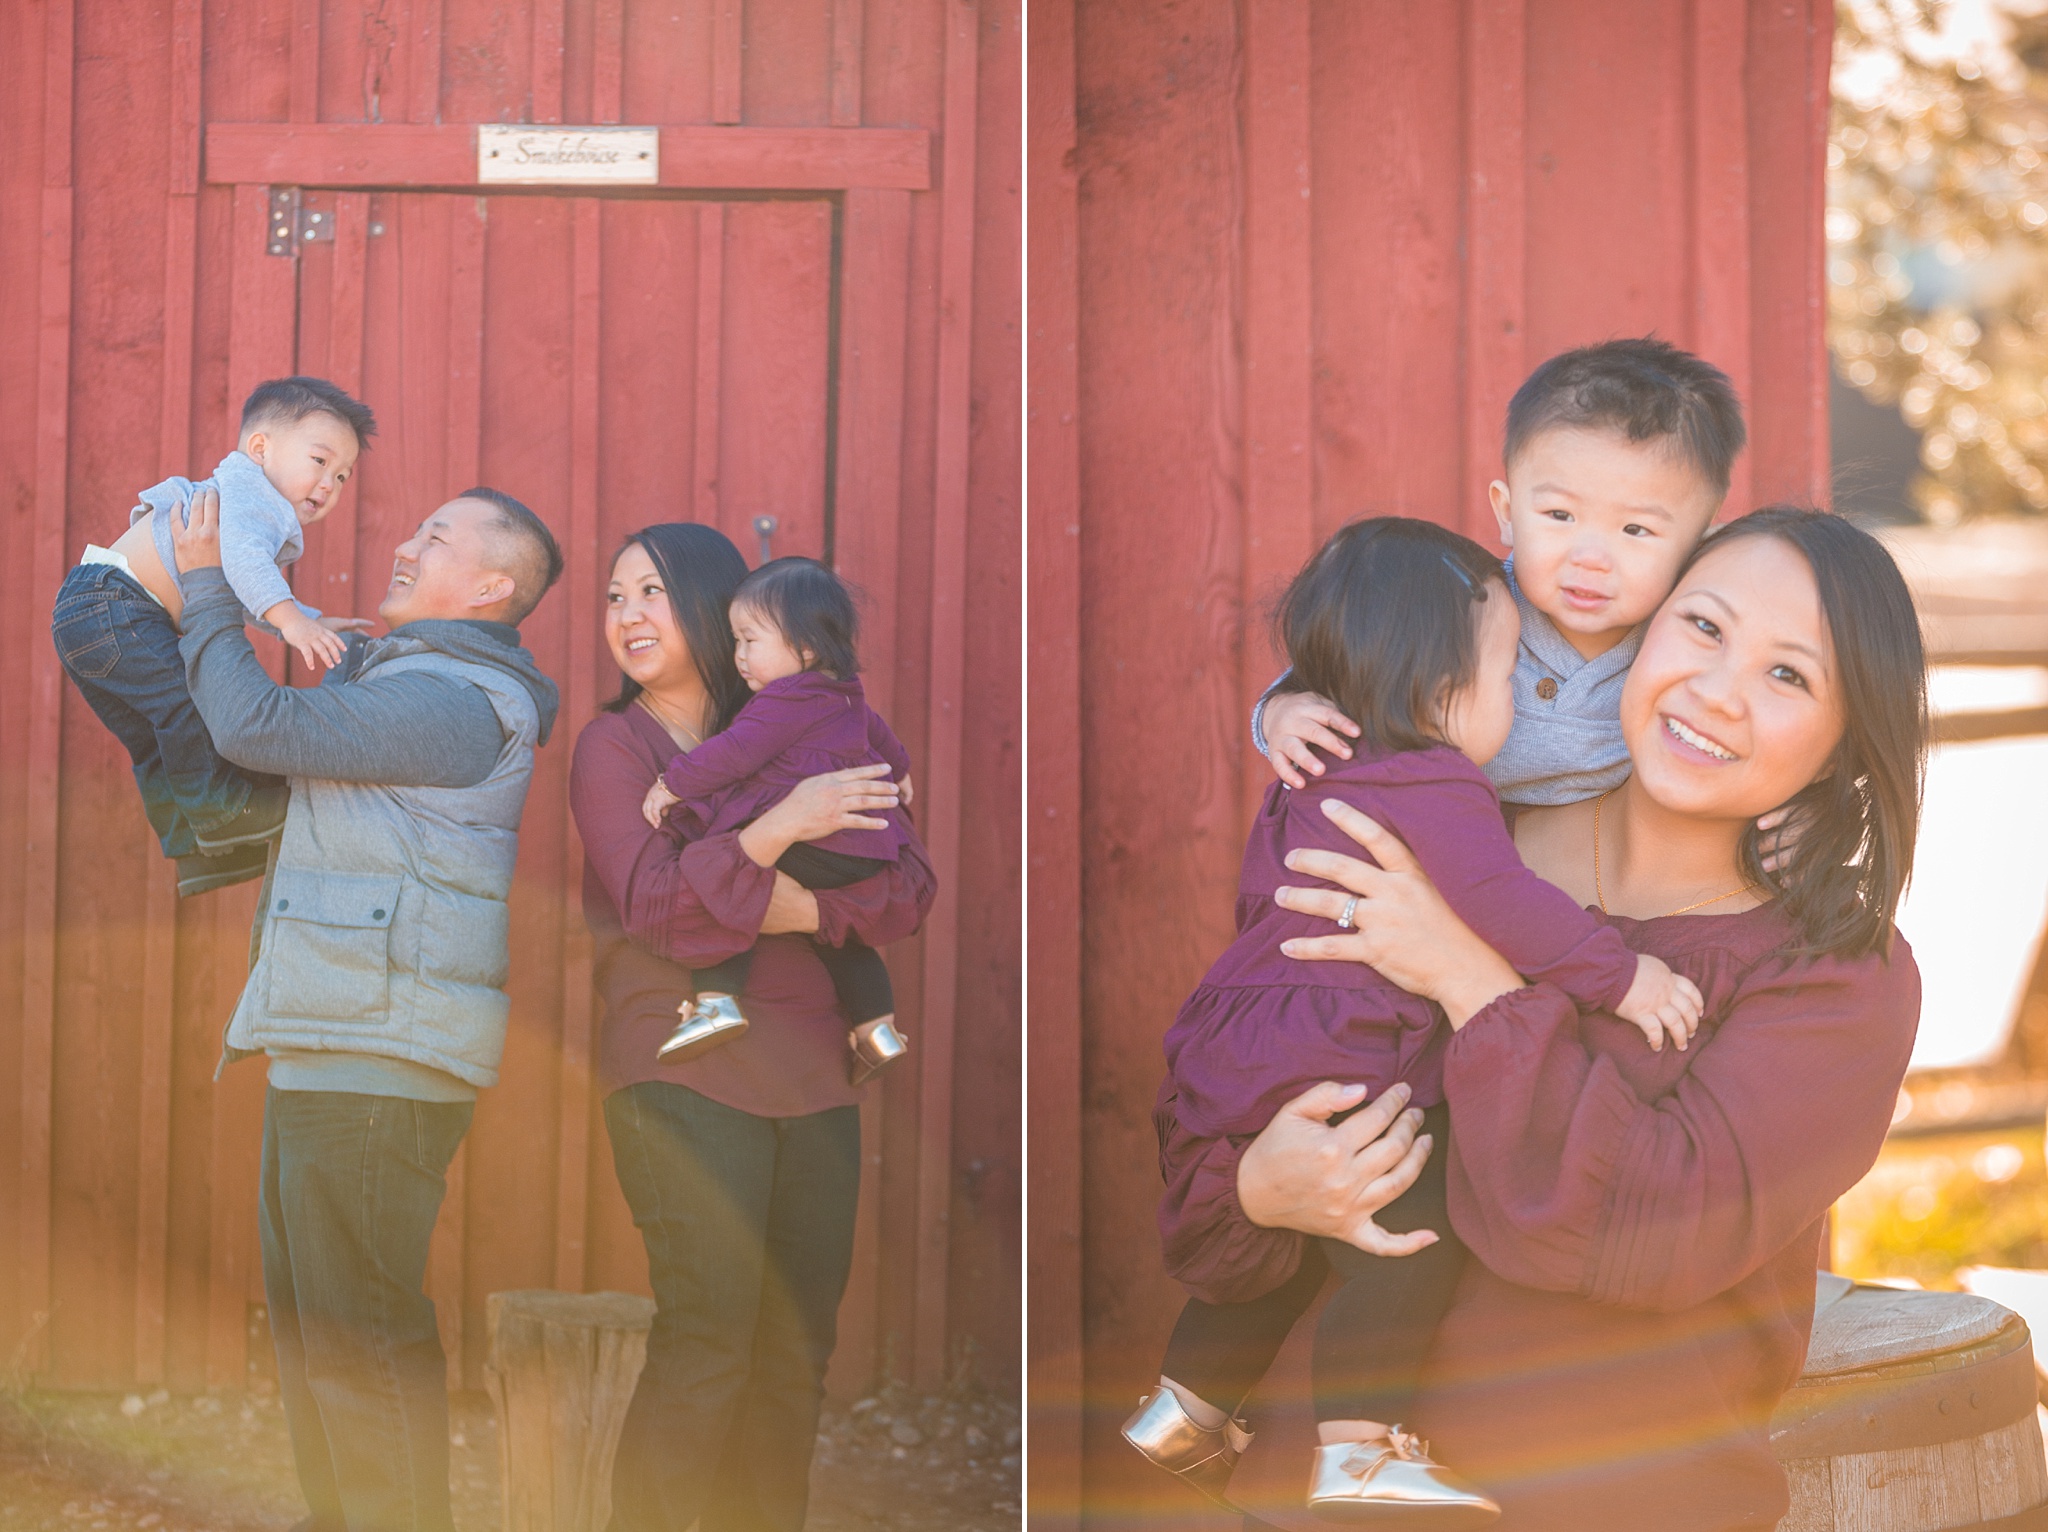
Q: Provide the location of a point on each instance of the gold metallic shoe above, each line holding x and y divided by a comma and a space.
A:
882, 1046
1166, 1434
1393, 1483
708, 1021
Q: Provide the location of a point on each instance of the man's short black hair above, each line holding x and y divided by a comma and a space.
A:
287, 401
813, 610
1643, 387
528, 550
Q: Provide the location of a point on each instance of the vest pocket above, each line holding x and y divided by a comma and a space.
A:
329, 945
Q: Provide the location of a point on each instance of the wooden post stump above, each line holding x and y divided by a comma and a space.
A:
560, 1370
1916, 1412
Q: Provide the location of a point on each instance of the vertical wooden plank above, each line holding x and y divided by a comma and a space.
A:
160, 898
423, 80
45, 690
337, 589
1052, 755
305, 63
948, 680
728, 26
1719, 246
1279, 492
1820, 53
846, 63
1496, 67
572, 1186
262, 343
549, 27
607, 60
448, 1269
710, 343
874, 304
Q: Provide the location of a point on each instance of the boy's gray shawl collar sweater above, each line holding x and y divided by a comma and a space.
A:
1569, 747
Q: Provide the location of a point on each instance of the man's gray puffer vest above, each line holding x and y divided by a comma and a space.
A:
383, 928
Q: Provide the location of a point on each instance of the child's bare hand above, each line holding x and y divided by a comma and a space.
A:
348, 624
657, 803
1778, 835
317, 645
1295, 721
1663, 1004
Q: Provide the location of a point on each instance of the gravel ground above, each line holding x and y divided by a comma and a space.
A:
99, 1463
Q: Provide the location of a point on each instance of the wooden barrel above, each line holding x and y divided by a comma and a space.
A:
560, 1371
1916, 1412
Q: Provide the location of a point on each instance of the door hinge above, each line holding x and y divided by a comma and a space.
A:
298, 218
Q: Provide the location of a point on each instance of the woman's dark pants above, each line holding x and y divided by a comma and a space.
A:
749, 1229
352, 1185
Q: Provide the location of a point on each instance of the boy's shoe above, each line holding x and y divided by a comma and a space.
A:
261, 819
874, 1050
1393, 1483
203, 874
708, 1021
1200, 1457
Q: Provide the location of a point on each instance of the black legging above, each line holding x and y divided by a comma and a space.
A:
1372, 1337
749, 1229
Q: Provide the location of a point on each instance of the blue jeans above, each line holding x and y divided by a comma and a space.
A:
749, 1229
351, 1188
121, 650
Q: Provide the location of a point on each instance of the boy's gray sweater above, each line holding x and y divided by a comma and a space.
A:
259, 530
382, 935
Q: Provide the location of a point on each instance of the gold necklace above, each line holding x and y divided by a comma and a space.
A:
1600, 894
668, 723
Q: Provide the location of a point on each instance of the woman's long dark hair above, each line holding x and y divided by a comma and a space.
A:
1856, 826
700, 569
1382, 621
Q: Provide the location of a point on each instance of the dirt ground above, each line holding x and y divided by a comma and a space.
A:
99, 1463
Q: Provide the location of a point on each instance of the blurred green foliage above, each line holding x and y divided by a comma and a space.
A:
1932, 1205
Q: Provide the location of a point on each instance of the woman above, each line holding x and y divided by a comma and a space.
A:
1646, 1224
741, 1165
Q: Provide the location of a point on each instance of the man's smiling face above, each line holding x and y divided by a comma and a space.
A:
445, 568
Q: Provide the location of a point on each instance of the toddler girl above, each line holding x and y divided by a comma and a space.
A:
1411, 630
794, 630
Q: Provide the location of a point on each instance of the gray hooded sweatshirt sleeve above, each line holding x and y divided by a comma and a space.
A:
410, 730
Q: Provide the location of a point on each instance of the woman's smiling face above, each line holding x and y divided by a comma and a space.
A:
1732, 706
640, 625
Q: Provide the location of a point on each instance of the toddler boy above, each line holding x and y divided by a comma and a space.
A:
116, 619
1617, 457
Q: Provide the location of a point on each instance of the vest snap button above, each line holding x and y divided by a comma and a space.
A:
1547, 688
284, 904
376, 914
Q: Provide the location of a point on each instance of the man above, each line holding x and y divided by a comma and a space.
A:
377, 988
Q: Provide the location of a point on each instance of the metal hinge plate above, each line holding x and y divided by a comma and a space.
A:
298, 218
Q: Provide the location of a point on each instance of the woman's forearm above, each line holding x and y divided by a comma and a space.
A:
766, 839
1470, 987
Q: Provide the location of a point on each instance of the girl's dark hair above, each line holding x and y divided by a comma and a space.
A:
812, 609
1855, 827
700, 569
1382, 622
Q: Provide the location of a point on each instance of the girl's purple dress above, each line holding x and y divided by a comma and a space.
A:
796, 727
1263, 1027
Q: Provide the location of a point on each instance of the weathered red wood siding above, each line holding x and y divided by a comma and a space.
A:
814, 318
1289, 260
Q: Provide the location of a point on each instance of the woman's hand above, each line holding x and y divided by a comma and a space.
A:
1404, 928
791, 908
1301, 1173
818, 806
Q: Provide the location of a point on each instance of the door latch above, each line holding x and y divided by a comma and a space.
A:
764, 528
297, 219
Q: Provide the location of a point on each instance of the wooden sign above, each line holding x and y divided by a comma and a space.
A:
517, 154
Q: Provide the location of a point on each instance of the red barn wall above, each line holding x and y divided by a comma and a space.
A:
814, 317
1289, 260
